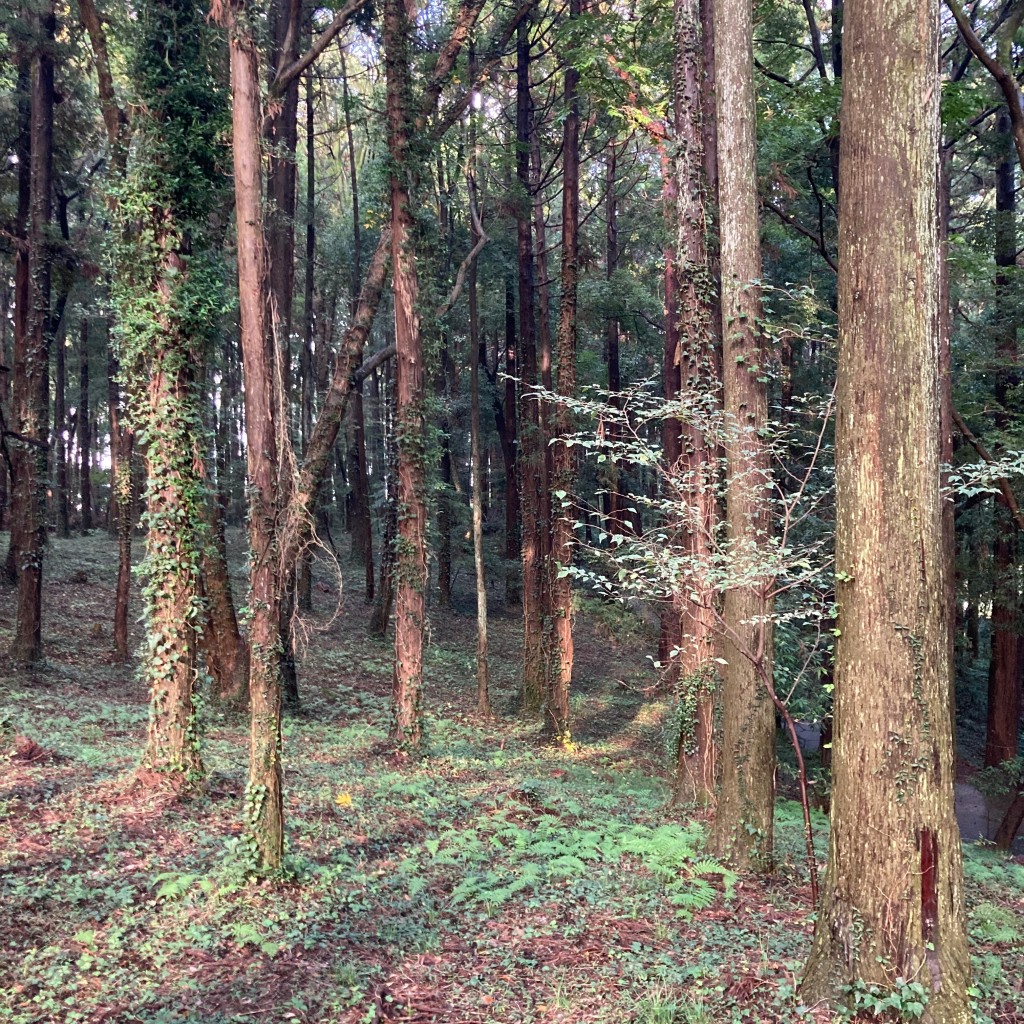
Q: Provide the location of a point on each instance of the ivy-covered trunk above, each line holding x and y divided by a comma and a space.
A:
892, 910
30, 446
410, 382
742, 832
699, 373
167, 304
266, 432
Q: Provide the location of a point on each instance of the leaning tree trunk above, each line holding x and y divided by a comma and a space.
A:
410, 382
31, 361
743, 825
892, 901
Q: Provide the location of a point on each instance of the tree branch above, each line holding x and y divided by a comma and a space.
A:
1004, 79
1009, 498
806, 232
288, 75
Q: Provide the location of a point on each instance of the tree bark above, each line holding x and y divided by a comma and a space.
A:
31, 359
410, 382
563, 468
265, 433
84, 429
1004, 679
532, 448
696, 756
742, 832
892, 903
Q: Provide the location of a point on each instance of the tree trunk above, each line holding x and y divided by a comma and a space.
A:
122, 506
696, 757
743, 824
563, 468
31, 360
411, 564
532, 449
85, 429
60, 439
892, 903
264, 420
506, 415
1004, 681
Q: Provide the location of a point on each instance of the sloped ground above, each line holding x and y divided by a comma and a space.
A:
493, 880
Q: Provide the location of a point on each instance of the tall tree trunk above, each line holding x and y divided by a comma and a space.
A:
613, 509
483, 688
1004, 680
699, 371
85, 428
743, 825
265, 433
60, 438
31, 359
362, 523
22, 281
563, 469
410, 382
532, 448
122, 505
892, 904
506, 416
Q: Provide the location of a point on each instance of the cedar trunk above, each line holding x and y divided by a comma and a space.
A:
743, 825
31, 361
892, 901
410, 562
264, 807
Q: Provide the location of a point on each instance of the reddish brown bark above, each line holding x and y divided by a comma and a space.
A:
410, 561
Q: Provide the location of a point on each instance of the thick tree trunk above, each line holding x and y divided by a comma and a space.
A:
892, 903
410, 383
696, 757
31, 360
563, 469
85, 428
743, 824
264, 423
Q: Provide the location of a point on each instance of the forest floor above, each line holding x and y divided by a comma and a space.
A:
495, 879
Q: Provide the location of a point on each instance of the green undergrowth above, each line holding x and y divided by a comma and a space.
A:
493, 879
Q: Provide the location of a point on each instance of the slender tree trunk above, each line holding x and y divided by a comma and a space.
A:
507, 416
305, 570
613, 509
411, 564
696, 757
483, 689
743, 824
60, 438
532, 450
31, 359
1004, 680
264, 428
892, 903
85, 428
22, 285
122, 506
563, 468
385, 596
